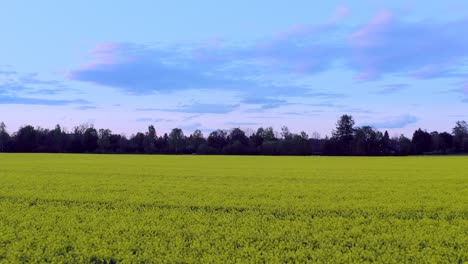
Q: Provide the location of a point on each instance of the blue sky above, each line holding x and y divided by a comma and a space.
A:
395, 65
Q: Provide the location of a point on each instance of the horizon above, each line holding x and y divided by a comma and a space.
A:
395, 66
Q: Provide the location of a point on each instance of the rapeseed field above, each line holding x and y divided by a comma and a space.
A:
225, 209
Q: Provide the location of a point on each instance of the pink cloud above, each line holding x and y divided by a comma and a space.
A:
295, 30
365, 76
366, 35
465, 88
299, 30
101, 53
105, 53
340, 13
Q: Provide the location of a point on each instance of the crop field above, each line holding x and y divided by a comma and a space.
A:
223, 209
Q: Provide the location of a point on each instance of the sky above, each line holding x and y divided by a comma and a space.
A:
394, 65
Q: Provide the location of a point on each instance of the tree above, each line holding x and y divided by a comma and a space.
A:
162, 143
346, 139
25, 139
421, 141
90, 139
256, 139
465, 144
4, 137
54, 140
150, 140
460, 132
217, 139
237, 135
285, 134
367, 141
268, 134
385, 146
445, 142
197, 139
176, 141
104, 141
238, 142
138, 142
404, 147
435, 141
344, 134
76, 145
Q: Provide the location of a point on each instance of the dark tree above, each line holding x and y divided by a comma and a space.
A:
196, 140
404, 146
90, 140
445, 142
4, 137
104, 141
385, 146
54, 140
367, 141
345, 140
256, 139
150, 140
217, 139
25, 139
137, 143
421, 142
238, 142
176, 141
285, 134
343, 134
237, 135
460, 133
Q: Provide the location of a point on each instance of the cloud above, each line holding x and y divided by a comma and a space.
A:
237, 124
155, 120
266, 103
340, 13
28, 83
39, 101
140, 70
189, 128
395, 122
32, 79
462, 91
392, 88
197, 108
86, 107
387, 44
8, 72
249, 68
11, 89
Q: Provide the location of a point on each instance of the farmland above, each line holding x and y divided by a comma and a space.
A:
215, 209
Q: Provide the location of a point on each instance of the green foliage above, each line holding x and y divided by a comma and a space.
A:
221, 209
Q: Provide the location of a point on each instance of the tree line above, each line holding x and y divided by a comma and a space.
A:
346, 139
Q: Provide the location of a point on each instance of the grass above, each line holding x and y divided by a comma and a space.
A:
212, 209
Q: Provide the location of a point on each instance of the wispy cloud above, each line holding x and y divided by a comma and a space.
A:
196, 108
39, 101
392, 88
389, 44
189, 128
462, 91
395, 122
155, 120
17, 83
265, 103
238, 124
86, 107
8, 72
386, 44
